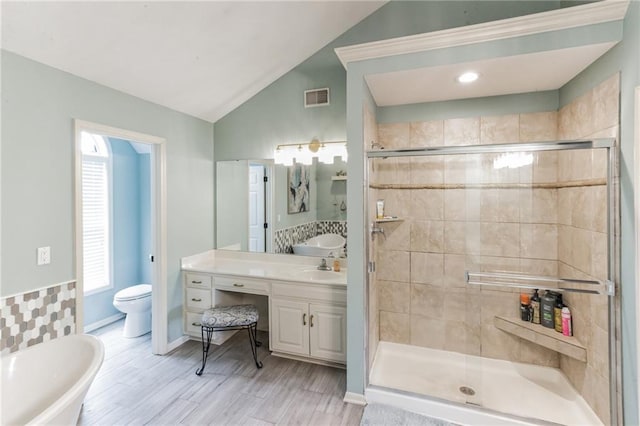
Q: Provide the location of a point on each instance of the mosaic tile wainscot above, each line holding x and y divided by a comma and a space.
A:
37, 316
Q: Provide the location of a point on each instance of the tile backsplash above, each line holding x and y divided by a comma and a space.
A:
37, 316
284, 239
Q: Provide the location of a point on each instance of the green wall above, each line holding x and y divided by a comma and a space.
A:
488, 106
232, 204
277, 115
39, 104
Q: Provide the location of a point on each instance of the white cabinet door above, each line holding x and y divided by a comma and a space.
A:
328, 332
289, 326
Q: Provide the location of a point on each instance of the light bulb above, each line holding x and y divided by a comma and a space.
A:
468, 77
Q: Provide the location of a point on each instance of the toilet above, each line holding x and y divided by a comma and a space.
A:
135, 302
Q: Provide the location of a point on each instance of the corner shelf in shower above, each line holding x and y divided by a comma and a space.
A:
390, 219
545, 337
338, 178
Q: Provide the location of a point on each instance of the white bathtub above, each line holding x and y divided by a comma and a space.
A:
424, 380
47, 383
322, 245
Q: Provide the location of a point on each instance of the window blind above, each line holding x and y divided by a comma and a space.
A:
95, 226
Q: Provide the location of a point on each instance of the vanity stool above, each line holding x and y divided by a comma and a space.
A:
222, 318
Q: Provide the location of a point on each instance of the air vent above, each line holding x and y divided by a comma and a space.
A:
316, 97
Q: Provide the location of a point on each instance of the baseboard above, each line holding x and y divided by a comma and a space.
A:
310, 360
355, 398
109, 320
179, 341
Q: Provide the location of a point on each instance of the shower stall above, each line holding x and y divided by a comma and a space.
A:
466, 230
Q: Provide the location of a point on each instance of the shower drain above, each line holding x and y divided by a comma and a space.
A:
467, 390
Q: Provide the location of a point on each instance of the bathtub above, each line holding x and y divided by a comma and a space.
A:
47, 383
428, 381
322, 245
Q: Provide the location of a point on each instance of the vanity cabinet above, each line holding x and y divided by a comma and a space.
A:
309, 321
306, 319
200, 294
197, 298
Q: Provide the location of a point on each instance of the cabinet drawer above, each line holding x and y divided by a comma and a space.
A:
313, 292
198, 298
241, 285
192, 324
198, 280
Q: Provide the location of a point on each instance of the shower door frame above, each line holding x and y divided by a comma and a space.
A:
613, 243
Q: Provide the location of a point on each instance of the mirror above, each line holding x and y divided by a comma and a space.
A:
252, 193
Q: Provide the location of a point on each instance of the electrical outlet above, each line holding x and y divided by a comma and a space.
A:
44, 256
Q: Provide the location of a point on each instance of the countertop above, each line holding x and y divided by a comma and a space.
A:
281, 267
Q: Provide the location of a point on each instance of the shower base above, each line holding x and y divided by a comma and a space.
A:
483, 390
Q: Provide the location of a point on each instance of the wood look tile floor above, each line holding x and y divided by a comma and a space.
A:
135, 387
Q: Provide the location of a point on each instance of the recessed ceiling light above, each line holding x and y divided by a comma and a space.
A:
468, 77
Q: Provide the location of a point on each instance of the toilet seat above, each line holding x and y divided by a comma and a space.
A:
133, 293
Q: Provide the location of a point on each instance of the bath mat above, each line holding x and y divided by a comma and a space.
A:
380, 414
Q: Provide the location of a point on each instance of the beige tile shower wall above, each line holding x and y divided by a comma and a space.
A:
423, 298
582, 244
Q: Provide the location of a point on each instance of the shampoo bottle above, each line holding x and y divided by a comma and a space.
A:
535, 307
380, 209
546, 309
557, 313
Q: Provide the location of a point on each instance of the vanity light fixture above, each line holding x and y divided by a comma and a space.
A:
468, 77
513, 160
304, 153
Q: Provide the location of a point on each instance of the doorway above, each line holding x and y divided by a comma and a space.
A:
86, 192
246, 185
257, 208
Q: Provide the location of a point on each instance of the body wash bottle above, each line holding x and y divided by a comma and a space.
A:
380, 209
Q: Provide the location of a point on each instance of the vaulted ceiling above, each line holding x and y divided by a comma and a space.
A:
199, 58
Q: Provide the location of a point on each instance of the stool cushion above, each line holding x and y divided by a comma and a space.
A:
230, 316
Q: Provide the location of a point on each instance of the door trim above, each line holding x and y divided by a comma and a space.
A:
269, 201
636, 183
159, 314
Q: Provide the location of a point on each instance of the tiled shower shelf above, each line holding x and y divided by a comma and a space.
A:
546, 337
389, 219
338, 178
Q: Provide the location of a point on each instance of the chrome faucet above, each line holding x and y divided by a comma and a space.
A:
323, 265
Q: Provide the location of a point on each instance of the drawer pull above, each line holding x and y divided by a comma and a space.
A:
196, 282
238, 285
196, 324
196, 300
304, 319
311, 321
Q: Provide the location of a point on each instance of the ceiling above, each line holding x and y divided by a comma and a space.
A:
200, 58
548, 70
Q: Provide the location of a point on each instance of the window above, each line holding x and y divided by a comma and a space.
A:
96, 213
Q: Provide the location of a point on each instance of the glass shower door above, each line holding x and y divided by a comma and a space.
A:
484, 226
